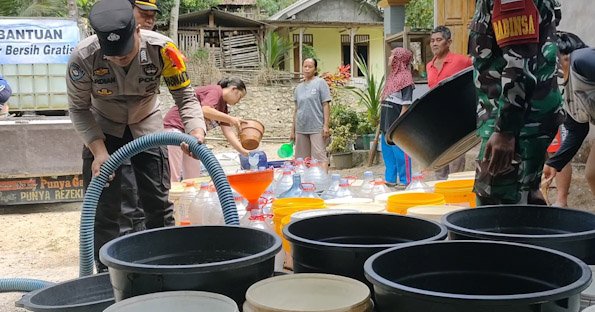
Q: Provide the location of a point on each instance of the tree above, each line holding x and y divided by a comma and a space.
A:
173, 21
420, 14
274, 48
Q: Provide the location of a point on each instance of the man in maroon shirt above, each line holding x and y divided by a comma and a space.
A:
445, 64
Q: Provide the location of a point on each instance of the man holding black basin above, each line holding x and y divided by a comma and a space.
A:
513, 45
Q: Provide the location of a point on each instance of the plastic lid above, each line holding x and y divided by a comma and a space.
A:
354, 201
307, 292
319, 212
434, 213
179, 301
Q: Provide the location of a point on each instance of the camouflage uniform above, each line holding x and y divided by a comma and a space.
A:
518, 94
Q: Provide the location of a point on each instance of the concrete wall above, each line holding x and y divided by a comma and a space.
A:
327, 45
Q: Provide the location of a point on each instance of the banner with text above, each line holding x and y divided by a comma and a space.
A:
32, 41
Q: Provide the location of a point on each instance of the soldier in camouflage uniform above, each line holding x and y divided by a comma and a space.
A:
512, 43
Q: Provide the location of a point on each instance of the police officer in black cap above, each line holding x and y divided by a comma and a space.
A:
145, 13
112, 83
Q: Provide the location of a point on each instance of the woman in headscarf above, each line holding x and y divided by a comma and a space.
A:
396, 97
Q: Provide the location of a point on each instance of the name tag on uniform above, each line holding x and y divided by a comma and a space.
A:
515, 22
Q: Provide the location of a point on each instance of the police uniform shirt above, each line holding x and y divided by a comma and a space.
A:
104, 98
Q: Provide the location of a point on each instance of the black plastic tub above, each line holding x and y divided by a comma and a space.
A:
220, 259
441, 125
568, 230
476, 276
86, 294
340, 244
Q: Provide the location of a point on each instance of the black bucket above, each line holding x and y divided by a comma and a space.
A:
340, 244
476, 276
441, 125
86, 294
567, 230
220, 259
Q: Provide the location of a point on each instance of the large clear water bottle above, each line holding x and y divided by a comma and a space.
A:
344, 191
241, 204
295, 190
417, 184
331, 190
300, 166
257, 220
308, 190
212, 213
379, 188
316, 175
365, 189
284, 183
198, 204
266, 203
184, 204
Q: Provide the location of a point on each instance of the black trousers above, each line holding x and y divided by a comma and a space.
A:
151, 171
133, 216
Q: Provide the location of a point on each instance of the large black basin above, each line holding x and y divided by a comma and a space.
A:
220, 259
476, 276
86, 294
568, 230
440, 126
340, 244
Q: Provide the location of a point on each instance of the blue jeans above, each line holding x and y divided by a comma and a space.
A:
397, 163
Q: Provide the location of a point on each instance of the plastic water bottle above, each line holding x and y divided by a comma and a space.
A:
379, 188
266, 203
300, 167
199, 203
241, 204
365, 190
417, 184
316, 175
308, 190
344, 191
253, 160
212, 213
257, 220
331, 191
295, 190
184, 204
284, 183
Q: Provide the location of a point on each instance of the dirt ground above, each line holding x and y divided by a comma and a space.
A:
41, 241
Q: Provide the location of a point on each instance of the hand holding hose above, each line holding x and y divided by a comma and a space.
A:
199, 134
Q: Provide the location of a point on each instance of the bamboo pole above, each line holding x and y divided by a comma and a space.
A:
372, 154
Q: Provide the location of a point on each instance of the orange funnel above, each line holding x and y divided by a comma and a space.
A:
251, 185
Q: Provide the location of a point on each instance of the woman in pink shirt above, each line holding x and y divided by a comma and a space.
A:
213, 100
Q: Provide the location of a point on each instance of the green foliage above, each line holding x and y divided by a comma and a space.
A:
48, 8
308, 52
271, 7
370, 95
420, 14
201, 54
342, 140
274, 49
364, 126
343, 115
